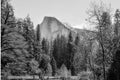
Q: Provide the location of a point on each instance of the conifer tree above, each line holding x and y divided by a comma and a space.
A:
45, 46
117, 22
38, 34
70, 53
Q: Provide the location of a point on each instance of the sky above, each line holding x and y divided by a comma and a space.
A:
72, 12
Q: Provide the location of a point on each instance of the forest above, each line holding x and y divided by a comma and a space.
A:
24, 52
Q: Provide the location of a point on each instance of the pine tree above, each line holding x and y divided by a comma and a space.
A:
54, 66
53, 61
70, 53
117, 22
38, 34
7, 14
57, 51
45, 46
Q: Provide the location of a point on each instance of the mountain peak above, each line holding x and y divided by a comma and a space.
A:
51, 27
49, 19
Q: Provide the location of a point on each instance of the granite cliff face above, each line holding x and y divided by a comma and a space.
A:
51, 27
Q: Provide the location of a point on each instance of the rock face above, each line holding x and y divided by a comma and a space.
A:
51, 27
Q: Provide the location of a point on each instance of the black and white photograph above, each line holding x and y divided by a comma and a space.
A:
60, 40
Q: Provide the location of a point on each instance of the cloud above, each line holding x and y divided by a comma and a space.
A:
85, 25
